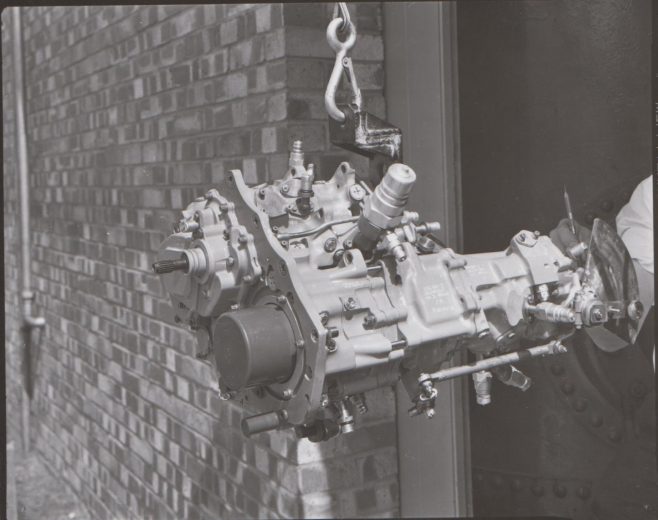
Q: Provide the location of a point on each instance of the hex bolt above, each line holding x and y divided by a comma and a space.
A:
281, 300
522, 237
285, 188
347, 244
223, 207
299, 343
230, 261
369, 321
242, 239
324, 317
248, 278
330, 244
350, 304
287, 394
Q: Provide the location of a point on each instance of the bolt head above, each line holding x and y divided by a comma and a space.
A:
281, 300
429, 413
350, 304
287, 393
330, 244
357, 193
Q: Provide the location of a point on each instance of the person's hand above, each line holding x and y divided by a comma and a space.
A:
563, 237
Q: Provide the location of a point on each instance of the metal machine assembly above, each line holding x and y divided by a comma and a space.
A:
306, 293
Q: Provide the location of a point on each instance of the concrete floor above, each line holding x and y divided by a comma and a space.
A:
41, 495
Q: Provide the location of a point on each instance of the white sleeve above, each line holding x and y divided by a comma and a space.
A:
635, 224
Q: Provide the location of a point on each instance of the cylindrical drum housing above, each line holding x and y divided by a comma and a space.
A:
253, 346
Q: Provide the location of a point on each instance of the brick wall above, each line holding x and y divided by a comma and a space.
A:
132, 112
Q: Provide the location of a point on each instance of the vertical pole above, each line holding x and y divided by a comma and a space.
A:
21, 150
422, 99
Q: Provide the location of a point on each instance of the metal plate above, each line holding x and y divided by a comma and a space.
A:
610, 273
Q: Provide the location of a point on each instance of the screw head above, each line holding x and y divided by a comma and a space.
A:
357, 193
330, 244
285, 188
350, 304
596, 420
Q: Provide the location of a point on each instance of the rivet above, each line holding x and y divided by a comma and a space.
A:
614, 434
567, 388
498, 480
557, 370
559, 490
580, 405
583, 493
479, 477
596, 420
516, 485
537, 489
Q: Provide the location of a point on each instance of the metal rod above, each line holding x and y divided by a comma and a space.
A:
555, 347
326, 225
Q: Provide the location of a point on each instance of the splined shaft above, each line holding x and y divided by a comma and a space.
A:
169, 266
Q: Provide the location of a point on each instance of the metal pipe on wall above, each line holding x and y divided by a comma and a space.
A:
27, 295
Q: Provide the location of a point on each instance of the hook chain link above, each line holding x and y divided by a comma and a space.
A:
343, 63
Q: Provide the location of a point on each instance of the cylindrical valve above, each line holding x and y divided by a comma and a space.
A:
384, 208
